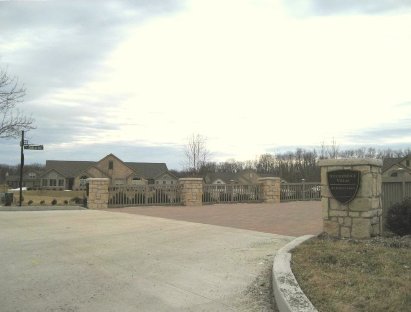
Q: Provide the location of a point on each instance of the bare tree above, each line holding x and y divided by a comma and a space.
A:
12, 121
196, 153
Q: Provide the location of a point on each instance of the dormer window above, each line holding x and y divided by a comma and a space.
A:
110, 165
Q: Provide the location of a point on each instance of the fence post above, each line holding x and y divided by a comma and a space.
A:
191, 191
98, 193
270, 189
360, 217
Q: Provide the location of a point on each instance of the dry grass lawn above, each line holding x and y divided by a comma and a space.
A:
48, 196
348, 275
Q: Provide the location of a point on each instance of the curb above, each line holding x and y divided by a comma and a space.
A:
288, 294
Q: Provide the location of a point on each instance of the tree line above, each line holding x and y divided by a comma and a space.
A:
293, 166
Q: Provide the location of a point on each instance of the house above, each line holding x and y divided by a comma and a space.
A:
397, 169
242, 177
31, 180
72, 175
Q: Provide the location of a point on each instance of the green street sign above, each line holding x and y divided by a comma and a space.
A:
34, 147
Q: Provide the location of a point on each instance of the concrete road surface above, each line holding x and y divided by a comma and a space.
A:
89, 260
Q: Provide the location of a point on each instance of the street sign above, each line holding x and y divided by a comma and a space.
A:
34, 147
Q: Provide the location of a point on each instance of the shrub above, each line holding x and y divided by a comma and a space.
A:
42, 202
54, 202
77, 200
65, 202
399, 218
29, 202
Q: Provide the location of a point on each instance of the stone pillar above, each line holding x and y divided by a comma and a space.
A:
270, 189
361, 217
97, 193
191, 190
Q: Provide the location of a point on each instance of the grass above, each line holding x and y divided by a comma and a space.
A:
347, 275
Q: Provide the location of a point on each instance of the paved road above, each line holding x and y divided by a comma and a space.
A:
89, 260
293, 218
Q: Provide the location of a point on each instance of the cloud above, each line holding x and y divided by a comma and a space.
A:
399, 133
305, 8
60, 44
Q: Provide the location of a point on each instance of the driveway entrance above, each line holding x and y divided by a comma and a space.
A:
102, 261
291, 218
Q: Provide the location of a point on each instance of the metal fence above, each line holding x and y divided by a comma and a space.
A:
122, 196
300, 191
394, 192
231, 193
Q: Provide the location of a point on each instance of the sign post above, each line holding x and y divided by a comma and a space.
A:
24, 144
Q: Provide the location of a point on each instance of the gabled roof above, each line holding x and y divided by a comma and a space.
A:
227, 177
71, 169
387, 163
166, 172
147, 170
68, 168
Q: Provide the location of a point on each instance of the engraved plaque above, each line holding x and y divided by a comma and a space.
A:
344, 184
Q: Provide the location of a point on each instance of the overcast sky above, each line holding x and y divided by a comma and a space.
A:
136, 78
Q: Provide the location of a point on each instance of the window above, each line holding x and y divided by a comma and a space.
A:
119, 182
172, 182
110, 165
53, 182
44, 182
394, 174
164, 182
407, 162
61, 182
83, 180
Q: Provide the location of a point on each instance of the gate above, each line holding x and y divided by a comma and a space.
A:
231, 193
300, 191
394, 192
123, 196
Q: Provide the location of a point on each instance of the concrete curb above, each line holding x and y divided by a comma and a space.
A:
288, 294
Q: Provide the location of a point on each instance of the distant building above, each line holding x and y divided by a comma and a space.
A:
242, 177
397, 169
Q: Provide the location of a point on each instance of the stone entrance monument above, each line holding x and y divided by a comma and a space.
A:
351, 197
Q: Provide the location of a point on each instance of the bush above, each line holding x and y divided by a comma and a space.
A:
29, 202
399, 218
77, 200
42, 202
65, 202
54, 202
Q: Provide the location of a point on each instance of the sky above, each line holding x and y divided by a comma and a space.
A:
137, 78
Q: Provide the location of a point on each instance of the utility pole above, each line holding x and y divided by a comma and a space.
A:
24, 144
21, 166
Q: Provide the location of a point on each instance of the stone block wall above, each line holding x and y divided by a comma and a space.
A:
191, 190
362, 217
97, 193
270, 189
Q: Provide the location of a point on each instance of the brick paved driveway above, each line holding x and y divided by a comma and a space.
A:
293, 218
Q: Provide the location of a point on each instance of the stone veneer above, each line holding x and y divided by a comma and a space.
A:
191, 191
270, 189
97, 193
362, 217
